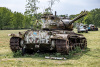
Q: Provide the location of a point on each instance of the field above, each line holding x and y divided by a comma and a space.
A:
89, 58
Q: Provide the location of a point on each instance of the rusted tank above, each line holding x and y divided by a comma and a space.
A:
82, 28
56, 35
92, 27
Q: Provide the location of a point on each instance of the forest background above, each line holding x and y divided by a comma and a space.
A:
16, 20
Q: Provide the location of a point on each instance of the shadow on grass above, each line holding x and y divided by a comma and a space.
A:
72, 54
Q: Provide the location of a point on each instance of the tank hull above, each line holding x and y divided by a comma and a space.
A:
55, 35
92, 29
61, 41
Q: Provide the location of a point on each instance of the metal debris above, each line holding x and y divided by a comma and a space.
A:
55, 58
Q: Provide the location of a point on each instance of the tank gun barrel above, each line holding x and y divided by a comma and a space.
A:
78, 17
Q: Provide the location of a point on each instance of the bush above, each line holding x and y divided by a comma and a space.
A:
17, 54
77, 49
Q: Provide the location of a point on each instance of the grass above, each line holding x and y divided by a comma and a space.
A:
89, 58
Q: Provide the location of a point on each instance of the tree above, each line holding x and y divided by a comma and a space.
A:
26, 22
31, 7
52, 2
72, 16
48, 10
10, 20
5, 14
31, 11
93, 17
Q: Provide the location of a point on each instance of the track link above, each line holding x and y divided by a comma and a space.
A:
15, 44
64, 46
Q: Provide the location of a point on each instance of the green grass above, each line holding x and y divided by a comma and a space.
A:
89, 58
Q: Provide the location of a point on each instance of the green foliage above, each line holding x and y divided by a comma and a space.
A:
70, 55
36, 54
73, 52
58, 54
77, 49
63, 15
93, 17
47, 10
72, 16
31, 7
17, 54
10, 20
31, 11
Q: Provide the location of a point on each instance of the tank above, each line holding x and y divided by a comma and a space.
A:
56, 35
82, 28
92, 27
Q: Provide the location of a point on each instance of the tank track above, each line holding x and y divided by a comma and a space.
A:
64, 46
15, 44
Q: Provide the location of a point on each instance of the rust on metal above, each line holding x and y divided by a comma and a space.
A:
14, 44
56, 35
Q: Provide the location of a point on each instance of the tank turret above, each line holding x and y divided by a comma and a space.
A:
53, 22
